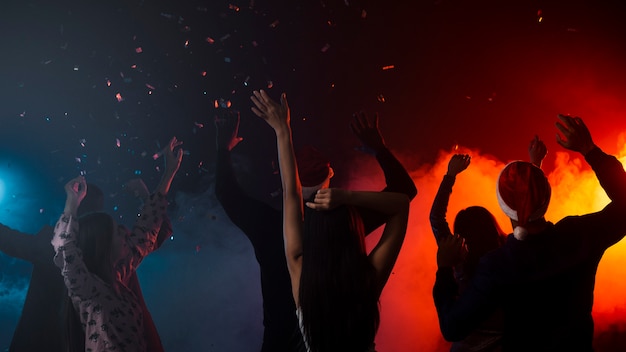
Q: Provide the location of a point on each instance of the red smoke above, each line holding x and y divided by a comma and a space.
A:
409, 321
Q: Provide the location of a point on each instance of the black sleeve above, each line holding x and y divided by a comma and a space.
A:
244, 211
438, 211
25, 246
397, 179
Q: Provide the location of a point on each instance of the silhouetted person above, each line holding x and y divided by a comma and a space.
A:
543, 277
481, 234
336, 284
262, 223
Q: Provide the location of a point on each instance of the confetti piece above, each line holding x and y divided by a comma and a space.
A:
108, 83
270, 84
187, 43
388, 67
150, 86
233, 7
138, 50
325, 48
75, 68
119, 98
77, 159
222, 39
82, 142
274, 24
137, 172
117, 142
210, 40
381, 98
40, 210
226, 59
199, 125
23, 114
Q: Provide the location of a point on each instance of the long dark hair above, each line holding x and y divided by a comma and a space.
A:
481, 232
95, 239
338, 292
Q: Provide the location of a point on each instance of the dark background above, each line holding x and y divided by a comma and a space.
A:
486, 75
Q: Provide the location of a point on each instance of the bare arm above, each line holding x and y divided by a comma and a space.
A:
278, 117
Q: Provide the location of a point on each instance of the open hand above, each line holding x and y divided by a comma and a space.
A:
577, 136
367, 132
276, 115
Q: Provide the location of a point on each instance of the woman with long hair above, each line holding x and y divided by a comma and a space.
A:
335, 283
97, 258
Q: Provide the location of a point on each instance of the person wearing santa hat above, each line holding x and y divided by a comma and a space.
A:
263, 224
543, 276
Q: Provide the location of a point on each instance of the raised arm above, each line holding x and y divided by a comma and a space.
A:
173, 158
397, 179
69, 258
537, 151
244, 211
20, 245
393, 206
438, 222
278, 117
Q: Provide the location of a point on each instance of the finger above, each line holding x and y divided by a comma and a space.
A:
283, 101
257, 112
560, 141
313, 206
563, 129
266, 98
260, 106
376, 119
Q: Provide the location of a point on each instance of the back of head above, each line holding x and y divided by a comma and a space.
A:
523, 194
338, 292
313, 169
93, 201
481, 232
95, 240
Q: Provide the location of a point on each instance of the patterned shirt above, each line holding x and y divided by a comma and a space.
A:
112, 319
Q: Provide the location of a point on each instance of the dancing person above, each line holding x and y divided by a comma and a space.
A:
336, 285
262, 223
543, 277
481, 234
97, 258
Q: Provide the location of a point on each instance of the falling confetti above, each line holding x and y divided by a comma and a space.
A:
388, 67
119, 98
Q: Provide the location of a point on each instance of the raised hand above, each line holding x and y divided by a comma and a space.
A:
451, 251
327, 199
537, 151
173, 158
367, 132
577, 136
276, 115
76, 190
458, 163
227, 130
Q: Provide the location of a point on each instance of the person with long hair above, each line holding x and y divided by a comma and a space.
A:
481, 234
97, 258
336, 284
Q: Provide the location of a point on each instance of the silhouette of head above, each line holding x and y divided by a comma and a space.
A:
523, 194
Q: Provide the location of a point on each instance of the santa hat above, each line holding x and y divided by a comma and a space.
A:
523, 194
313, 166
